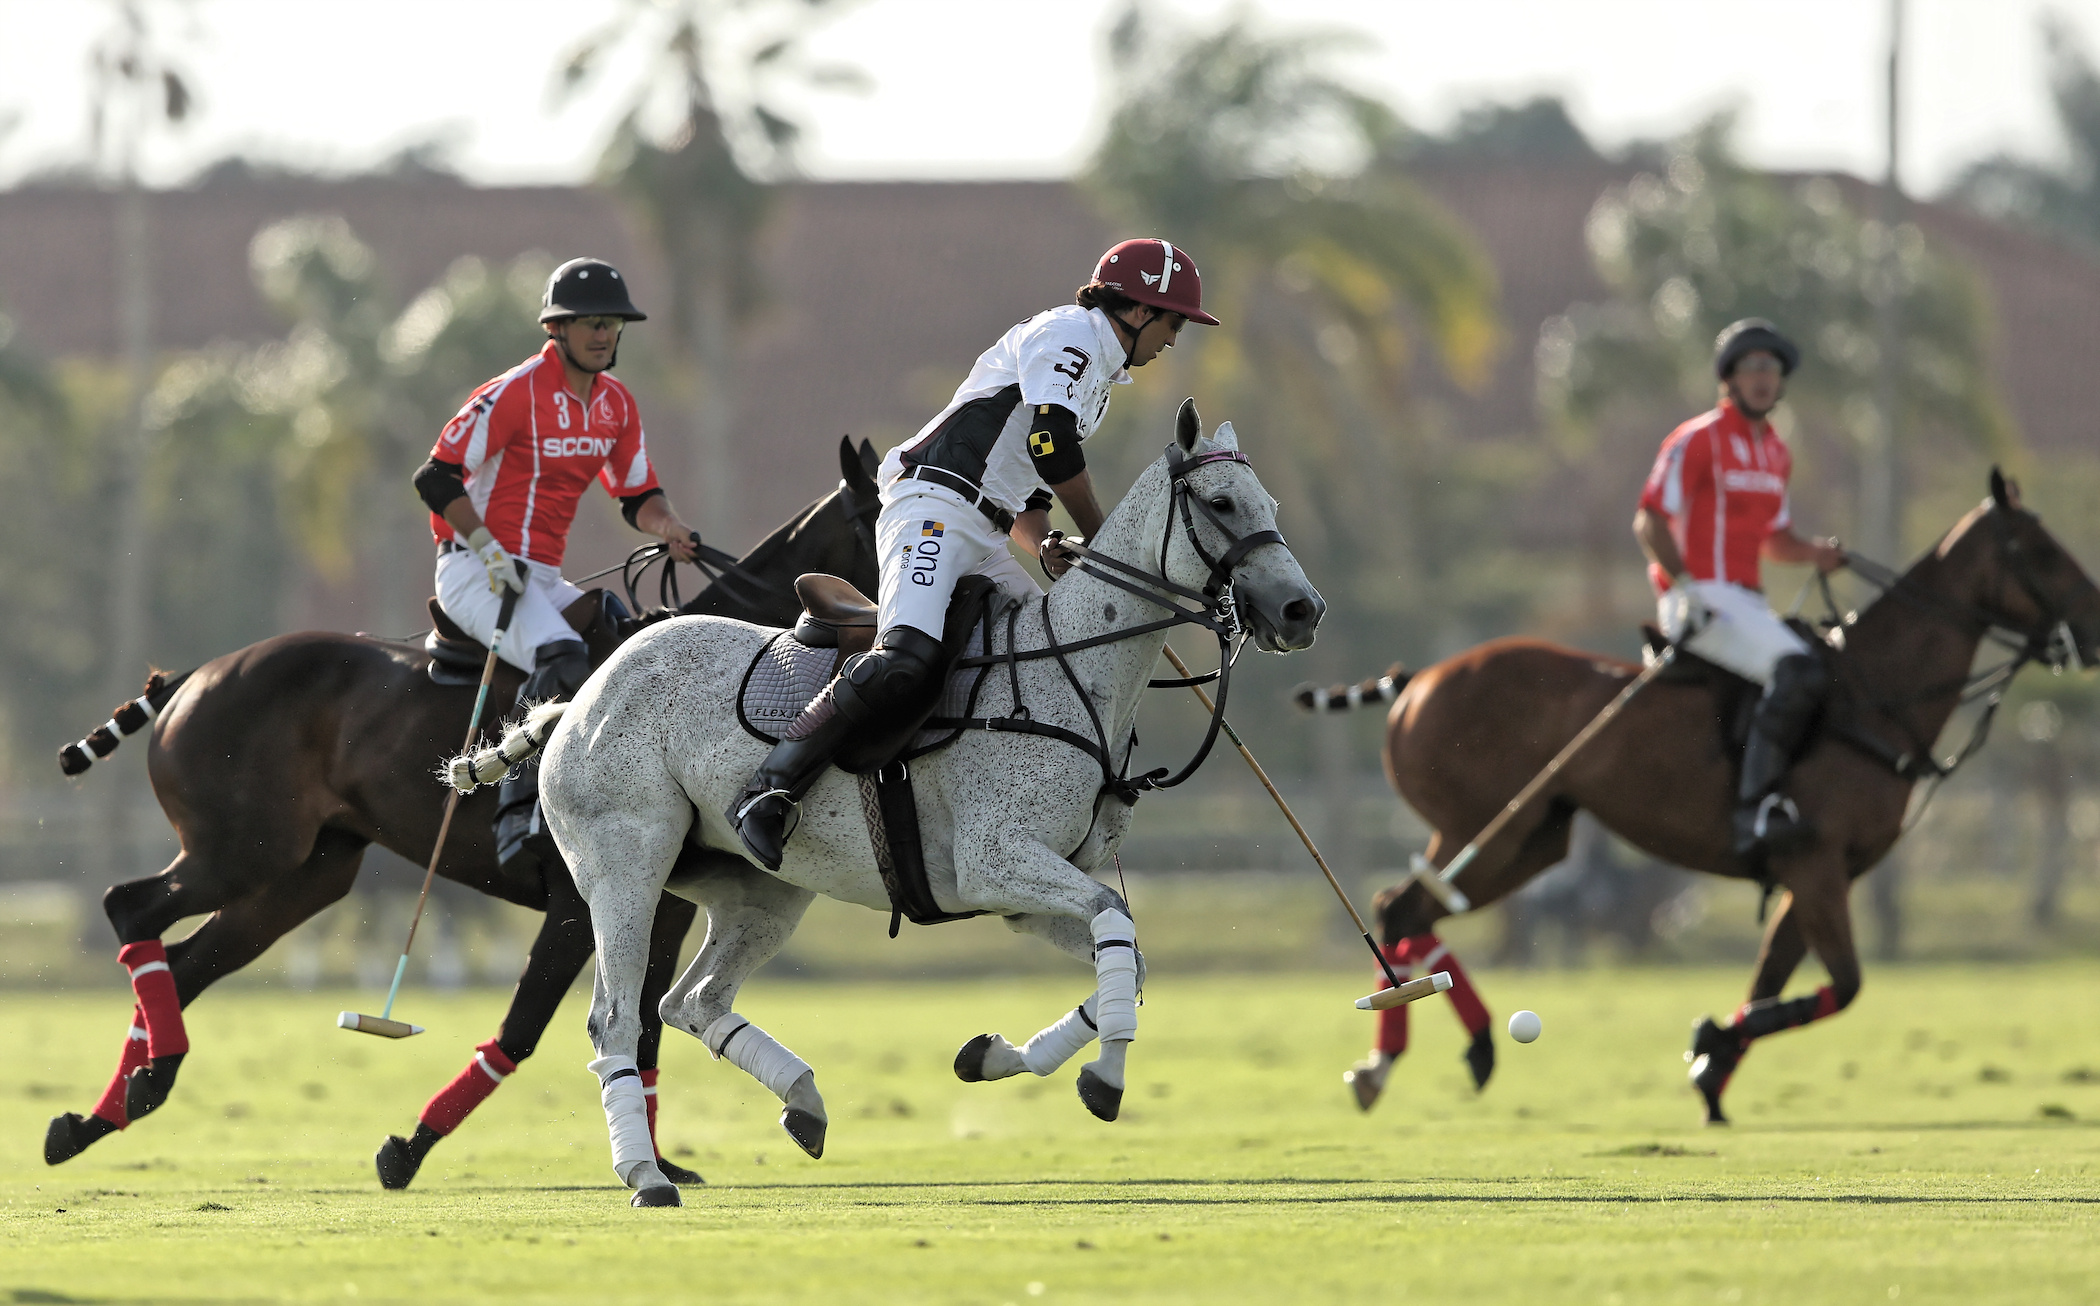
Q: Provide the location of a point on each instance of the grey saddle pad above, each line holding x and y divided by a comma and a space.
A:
786, 675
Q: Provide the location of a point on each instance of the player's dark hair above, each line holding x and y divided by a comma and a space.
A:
1106, 298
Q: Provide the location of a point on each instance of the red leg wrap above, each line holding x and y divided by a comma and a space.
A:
111, 1107
649, 1102
154, 984
1826, 1002
468, 1089
1392, 1022
1465, 999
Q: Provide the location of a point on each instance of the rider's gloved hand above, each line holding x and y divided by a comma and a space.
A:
505, 572
1055, 558
1697, 615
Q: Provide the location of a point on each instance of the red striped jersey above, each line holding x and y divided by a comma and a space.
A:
529, 448
1721, 481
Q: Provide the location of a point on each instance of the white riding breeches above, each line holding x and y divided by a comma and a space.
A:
1742, 635
463, 592
928, 539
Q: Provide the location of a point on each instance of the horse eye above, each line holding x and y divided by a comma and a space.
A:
1221, 503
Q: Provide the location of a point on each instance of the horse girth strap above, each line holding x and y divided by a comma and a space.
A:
892, 812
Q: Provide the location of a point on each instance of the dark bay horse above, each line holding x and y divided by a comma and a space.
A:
278, 764
1465, 735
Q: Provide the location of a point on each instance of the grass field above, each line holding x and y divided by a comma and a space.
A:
1940, 1142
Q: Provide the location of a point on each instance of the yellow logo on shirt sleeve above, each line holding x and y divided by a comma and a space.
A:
1040, 444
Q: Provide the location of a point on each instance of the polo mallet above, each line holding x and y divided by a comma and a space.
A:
1400, 993
383, 1024
1439, 883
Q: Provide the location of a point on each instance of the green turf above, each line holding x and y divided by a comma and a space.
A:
1936, 1143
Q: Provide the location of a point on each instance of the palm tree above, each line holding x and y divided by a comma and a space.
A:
697, 154
2062, 200
1324, 262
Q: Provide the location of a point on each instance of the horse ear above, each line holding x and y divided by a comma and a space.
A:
2004, 493
853, 465
869, 459
1225, 436
1188, 427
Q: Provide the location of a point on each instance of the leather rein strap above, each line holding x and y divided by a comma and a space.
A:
1217, 611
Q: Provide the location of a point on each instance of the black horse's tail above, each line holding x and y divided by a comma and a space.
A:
128, 719
1340, 698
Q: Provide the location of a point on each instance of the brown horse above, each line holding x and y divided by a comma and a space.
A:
1465, 735
280, 763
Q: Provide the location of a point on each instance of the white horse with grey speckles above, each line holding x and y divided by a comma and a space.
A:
649, 755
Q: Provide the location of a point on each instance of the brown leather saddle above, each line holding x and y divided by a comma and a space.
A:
834, 615
1734, 698
456, 658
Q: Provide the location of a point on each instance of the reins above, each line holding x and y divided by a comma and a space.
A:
1216, 610
1987, 685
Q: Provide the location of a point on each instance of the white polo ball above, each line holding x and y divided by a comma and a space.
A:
1524, 1026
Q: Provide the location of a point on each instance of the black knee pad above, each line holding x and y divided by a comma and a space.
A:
1790, 701
893, 676
558, 670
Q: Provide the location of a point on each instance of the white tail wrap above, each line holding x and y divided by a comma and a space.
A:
626, 1116
1115, 976
755, 1052
1056, 1044
470, 771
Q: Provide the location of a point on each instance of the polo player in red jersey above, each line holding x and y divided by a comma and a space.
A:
1714, 506
503, 484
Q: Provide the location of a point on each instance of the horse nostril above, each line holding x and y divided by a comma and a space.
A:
1297, 610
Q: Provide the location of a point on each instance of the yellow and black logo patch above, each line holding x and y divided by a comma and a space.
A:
1040, 444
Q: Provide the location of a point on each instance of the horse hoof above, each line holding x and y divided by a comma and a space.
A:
1102, 1098
1364, 1085
1480, 1058
397, 1163
678, 1174
71, 1134
969, 1063
806, 1128
656, 1195
149, 1086
1714, 1054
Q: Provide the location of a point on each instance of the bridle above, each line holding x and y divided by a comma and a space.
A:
1216, 609
2050, 642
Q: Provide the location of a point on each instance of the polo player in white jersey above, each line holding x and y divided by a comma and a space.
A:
982, 471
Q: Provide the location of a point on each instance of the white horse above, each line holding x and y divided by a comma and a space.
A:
649, 755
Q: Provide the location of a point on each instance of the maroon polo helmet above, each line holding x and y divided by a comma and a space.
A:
1154, 273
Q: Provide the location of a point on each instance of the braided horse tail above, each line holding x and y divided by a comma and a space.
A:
128, 719
470, 770
1340, 698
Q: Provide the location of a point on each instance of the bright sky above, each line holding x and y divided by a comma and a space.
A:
1009, 88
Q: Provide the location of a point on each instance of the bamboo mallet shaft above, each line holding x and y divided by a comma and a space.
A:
1288, 815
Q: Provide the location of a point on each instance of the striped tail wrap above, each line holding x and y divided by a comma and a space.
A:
128, 719
1341, 698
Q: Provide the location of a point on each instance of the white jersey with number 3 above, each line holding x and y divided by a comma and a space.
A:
1069, 356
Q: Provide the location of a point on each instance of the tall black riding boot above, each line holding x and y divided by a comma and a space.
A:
522, 842
1766, 819
872, 689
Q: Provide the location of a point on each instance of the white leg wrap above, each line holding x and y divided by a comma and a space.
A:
626, 1116
1115, 976
755, 1052
1054, 1046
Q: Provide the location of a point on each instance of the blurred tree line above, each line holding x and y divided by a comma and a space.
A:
1340, 280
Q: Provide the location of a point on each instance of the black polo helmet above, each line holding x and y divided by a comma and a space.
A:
588, 287
1749, 336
